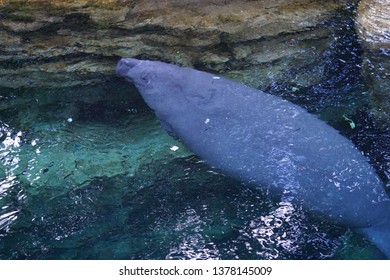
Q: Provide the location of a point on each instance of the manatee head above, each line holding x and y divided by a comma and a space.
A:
181, 97
160, 84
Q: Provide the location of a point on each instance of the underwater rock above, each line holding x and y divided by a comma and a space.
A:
376, 71
373, 26
67, 43
373, 22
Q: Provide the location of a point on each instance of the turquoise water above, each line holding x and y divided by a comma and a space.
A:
87, 173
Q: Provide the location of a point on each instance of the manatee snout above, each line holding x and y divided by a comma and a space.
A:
126, 64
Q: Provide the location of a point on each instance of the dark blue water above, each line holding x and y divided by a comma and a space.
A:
87, 173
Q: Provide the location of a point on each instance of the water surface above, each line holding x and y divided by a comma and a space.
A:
87, 173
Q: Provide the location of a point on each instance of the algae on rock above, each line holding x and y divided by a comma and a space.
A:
67, 43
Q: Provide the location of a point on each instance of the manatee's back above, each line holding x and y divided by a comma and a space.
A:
265, 140
262, 139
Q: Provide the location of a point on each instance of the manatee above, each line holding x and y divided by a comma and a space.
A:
264, 140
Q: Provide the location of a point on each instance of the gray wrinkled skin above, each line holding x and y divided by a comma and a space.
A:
264, 140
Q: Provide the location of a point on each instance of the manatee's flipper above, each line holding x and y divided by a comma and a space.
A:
168, 128
380, 236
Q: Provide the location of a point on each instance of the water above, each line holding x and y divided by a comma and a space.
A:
87, 173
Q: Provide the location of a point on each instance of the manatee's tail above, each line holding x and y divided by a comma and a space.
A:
379, 235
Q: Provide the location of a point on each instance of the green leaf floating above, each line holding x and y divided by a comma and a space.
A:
351, 122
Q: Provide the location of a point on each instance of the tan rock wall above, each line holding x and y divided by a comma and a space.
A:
64, 43
373, 22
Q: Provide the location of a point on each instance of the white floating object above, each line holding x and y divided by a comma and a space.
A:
174, 148
70, 120
207, 121
216, 78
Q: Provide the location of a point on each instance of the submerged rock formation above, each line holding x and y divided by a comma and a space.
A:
373, 26
64, 43
373, 22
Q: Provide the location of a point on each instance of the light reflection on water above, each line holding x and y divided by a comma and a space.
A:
196, 214
174, 209
177, 209
267, 231
194, 247
9, 158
